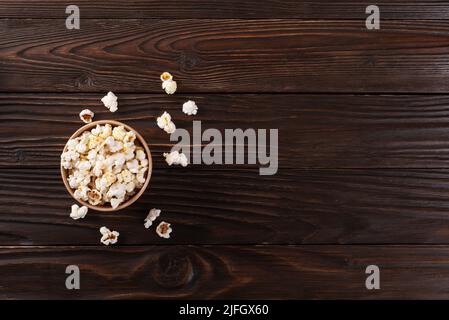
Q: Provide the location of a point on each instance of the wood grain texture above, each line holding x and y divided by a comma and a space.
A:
224, 56
315, 131
239, 207
133, 9
225, 272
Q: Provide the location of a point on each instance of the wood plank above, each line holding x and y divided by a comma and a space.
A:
226, 272
315, 131
239, 207
224, 56
133, 9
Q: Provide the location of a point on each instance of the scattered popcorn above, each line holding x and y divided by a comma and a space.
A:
190, 108
77, 212
86, 116
165, 122
109, 171
166, 76
168, 84
176, 158
108, 236
170, 128
154, 213
163, 230
110, 101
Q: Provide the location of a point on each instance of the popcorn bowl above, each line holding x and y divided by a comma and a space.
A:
133, 198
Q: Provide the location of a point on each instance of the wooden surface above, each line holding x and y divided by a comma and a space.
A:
225, 55
217, 9
363, 119
225, 272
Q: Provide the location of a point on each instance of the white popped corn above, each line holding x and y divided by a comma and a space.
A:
140, 177
152, 215
111, 171
83, 165
81, 148
176, 158
119, 133
129, 137
108, 237
140, 155
133, 166
77, 212
94, 197
115, 202
130, 186
190, 108
168, 84
143, 163
117, 190
163, 230
69, 158
106, 131
110, 101
165, 122
86, 116
81, 193
170, 128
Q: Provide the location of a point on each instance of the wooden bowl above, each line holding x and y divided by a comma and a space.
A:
136, 196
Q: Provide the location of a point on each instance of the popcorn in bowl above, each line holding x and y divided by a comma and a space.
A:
105, 165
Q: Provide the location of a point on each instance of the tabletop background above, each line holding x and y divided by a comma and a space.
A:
363, 119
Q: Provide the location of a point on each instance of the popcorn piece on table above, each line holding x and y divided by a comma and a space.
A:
110, 101
165, 122
190, 108
176, 158
77, 212
163, 230
152, 215
86, 116
168, 84
166, 76
108, 236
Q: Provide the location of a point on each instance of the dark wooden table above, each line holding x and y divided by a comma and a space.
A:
363, 118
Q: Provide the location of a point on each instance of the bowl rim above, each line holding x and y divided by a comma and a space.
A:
135, 196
